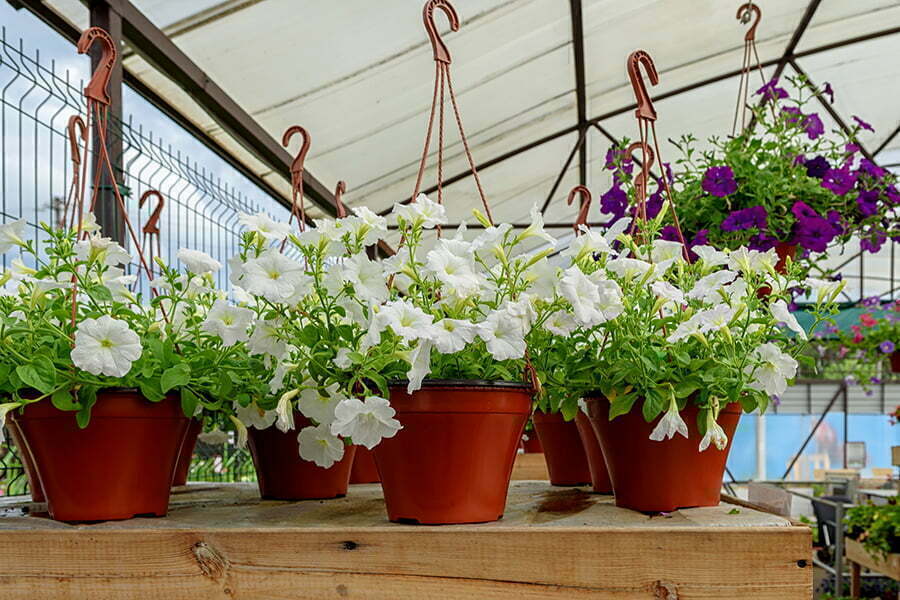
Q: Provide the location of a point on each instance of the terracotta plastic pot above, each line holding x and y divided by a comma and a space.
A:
364, 469
283, 475
119, 466
784, 251
662, 476
452, 461
532, 445
895, 361
187, 452
563, 451
34, 482
599, 473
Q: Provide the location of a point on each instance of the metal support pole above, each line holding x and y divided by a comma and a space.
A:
839, 549
846, 421
109, 217
761, 447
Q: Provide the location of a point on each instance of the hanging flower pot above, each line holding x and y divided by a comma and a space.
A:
452, 461
364, 469
187, 452
34, 482
895, 361
531, 443
283, 475
599, 473
119, 466
784, 251
651, 476
563, 450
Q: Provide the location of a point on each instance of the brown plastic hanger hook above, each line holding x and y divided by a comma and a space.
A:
76, 122
339, 191
151, 227
639, 184
97, 87
297, 164
585, 206
441, 54
645, 108
744, 14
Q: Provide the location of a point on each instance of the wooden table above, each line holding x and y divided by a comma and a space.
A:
859, 557
221, 542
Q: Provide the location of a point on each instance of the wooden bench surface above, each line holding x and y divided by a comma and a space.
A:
222, 541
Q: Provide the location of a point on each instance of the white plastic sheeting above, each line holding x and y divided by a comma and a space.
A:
358, 74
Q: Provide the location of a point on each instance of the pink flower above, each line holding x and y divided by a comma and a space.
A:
867, 319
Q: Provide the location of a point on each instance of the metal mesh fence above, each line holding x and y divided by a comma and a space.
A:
201, 207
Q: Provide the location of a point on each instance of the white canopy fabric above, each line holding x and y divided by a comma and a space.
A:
358, 75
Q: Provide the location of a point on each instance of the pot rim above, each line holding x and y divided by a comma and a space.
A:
469, 383
730, 407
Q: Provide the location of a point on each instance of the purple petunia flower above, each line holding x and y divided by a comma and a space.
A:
863, 124
871, 169
719, 181
701, 238
837, 221
817, 167
887, 346
747, 218
813, 126
872, 242
828, 91
867, 202
840, 181
803, 210
669, 233
771, 91
871, 301
813, 233
892, 194
851, 148
791, 114
762, 242
654, 204
614, 202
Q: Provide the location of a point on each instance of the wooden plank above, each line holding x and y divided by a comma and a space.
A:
856, 553
221, 541
895, 456
530, 466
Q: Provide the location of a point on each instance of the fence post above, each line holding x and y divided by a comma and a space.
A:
107, 210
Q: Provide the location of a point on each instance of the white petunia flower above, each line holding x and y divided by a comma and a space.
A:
198, 262
583, 295
665, 250
667, 291
588, 243
342, 358
490, 241
628, 268
422, 212
228, 322
117, 282
670, 424
824, 289
105, 346
264, 225
536, 228
5, 409
318, 445
781, 313
101, 249
89, 223
504, 336
265, 339
773, 370
372, 226
11, 235
367, 278
542, 279
560, 323
709, 288
406, 320
452, 335
254, 416
216, 437
419, 365
318, 405
752, 261
710, 256
284, 411
275, 277
366, 422
456, 273
714, 434
685, 329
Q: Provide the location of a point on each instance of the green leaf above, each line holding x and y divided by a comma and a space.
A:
174, 377
39, 374
189, 401
621, 405
225, 384
734, 511
63, 399
151, 390
87, 396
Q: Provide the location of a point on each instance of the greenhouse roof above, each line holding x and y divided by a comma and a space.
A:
531, 76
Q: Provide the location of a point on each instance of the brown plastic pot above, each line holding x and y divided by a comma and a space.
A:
187, 452
783, 251
452, 461
895, 361
364, 469
533, 444
662, 476
34, 482
599, 473
119, 466
563, 450
283, 475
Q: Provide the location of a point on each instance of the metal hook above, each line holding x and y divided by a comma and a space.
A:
151, 227
339, 191
743, 15
97, 87
441, 54
585, 206
76, 121
297, 164
645, 108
